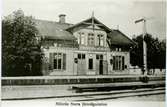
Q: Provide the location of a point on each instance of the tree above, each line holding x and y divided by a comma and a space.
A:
136, 54
20, 49
156, 52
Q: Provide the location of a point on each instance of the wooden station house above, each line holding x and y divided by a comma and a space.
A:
86, 48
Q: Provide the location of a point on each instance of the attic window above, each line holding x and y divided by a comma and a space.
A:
81, 38
100, 40
91, 39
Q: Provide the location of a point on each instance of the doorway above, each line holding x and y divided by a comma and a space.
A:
101, 67
81, 66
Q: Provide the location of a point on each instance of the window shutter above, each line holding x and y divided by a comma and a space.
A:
64, 61
123, 60
51, 58
114, 63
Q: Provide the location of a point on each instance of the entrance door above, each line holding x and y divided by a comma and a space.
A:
99, 59
81, 66
101, 67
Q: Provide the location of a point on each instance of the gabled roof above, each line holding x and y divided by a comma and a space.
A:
88, 22
53, 30
56, 30
116, 37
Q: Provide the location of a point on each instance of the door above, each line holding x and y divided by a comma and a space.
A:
81, 66
101, 67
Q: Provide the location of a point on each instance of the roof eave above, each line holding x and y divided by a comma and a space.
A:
82, 22
132, 42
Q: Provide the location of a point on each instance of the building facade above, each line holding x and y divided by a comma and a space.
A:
86, 48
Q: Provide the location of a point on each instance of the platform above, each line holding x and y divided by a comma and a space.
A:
61, 80
59, 91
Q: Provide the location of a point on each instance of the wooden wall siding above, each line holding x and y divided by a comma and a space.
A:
97, 67
51, 64
60, 43
73, 68
123, 48
105, 67
95, 48
79, 28
81, 68
69, 61
45, 66
95, 32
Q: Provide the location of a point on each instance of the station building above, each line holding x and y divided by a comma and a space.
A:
86, 48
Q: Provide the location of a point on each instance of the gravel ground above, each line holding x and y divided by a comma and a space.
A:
160, 97
42, 90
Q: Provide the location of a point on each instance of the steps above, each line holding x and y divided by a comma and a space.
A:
117, 86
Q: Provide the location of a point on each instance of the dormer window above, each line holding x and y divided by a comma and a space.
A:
81, 38
91, 39
120, 49
100, 40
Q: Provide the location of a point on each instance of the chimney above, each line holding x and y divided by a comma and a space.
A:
62, 18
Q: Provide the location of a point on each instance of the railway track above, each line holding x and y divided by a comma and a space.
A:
94, 91
95, 96
123, 94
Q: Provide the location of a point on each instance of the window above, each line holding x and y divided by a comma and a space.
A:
59, 61
118, 63
81, 56
100, 40
81, 38
91, 39
118, 49
90, 64
99, 56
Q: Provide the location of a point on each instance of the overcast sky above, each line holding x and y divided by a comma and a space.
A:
110, 12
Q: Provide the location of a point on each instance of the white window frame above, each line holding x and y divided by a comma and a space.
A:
59, 56
82, 39
91, 39
118, 62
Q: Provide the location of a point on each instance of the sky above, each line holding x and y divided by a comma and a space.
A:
116, 14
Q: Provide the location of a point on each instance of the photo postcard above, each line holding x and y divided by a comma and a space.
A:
83, 53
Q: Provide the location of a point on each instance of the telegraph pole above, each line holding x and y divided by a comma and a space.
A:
144, 45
